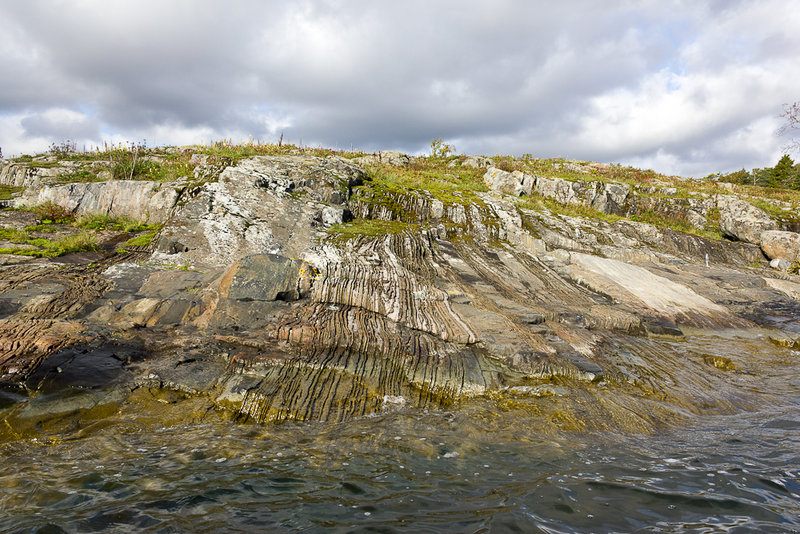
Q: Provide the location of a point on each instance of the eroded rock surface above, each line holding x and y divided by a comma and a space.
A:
254, 299
147, 201
743, 221
781, 245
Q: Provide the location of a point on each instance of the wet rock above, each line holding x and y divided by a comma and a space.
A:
788, 287
646, 293
249, 305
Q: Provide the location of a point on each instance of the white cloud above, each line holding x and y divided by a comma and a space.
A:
689, 87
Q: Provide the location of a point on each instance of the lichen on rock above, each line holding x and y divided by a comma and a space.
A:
295, 287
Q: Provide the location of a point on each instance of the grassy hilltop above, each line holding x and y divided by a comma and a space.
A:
442, 175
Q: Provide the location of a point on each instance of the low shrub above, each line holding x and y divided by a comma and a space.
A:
51, 212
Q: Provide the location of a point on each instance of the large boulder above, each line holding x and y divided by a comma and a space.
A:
779, 245
740, 220
475, 162
512, 183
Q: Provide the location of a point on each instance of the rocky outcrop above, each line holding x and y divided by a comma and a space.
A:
475, 162
605, 197
511, 183
779, 245
24, 175
262, 299
264, 205
384, 157
742, 221
142, 200
738, 219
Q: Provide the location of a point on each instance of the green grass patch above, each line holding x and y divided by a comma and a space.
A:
7, 192
82, 242
125, 162
142, 240
664, 220
234, 152
14, 235
772, 210
451, 185
100, 221
78, 176
43, 227
537, 202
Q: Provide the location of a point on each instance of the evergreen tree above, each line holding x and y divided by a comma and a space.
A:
783, 172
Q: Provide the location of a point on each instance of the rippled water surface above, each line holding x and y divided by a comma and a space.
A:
476, 469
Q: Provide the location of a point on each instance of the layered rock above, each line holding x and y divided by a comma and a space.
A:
260, 298
142, 200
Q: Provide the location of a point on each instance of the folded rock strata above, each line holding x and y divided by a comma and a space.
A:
257, 299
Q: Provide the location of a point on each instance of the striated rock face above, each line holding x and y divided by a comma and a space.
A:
142, 200
292, 287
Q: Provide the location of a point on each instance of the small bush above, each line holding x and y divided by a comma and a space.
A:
137, 168
440, 149
82, 242
51, 212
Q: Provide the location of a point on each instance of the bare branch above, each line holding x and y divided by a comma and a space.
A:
791, 114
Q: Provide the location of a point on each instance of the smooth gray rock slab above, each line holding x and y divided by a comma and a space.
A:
265, 277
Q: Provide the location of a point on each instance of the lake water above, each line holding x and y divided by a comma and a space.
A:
486, 466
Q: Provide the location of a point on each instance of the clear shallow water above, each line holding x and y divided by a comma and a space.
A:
485, 467
418, 472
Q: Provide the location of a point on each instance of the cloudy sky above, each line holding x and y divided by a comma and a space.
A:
681, 87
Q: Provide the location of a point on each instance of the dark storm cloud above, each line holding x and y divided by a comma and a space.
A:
652, 82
